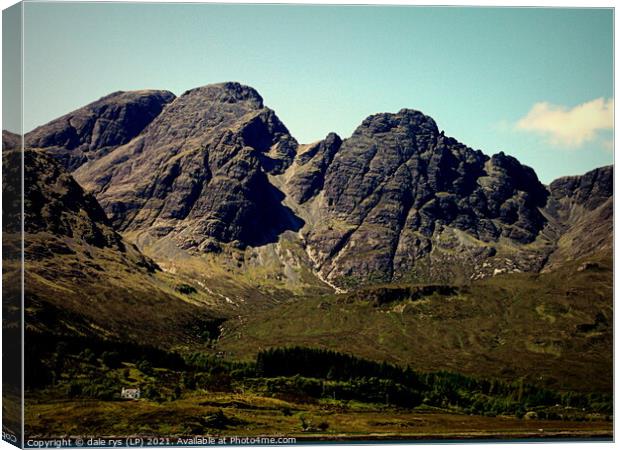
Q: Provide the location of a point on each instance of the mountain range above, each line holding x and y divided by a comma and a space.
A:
155, 218
216, 171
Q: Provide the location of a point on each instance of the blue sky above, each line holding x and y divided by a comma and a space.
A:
535, 83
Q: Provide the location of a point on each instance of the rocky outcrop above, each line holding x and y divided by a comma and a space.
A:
55, 203
580, 212
199, 174
399, 189
57, 207
589, 191
308, 173
90, 132
80, 276
11, 141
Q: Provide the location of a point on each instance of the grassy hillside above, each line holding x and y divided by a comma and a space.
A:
81, 277
553, 329
230, 414
315, 394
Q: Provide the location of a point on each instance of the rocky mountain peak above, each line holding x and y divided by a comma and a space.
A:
399, 197
228, 92
590, 190
198, 174
56, 204
580, 211
224, 114
92, 131
310, 151
405, 121
11, 141
141, 96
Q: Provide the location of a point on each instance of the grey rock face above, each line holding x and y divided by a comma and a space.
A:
580, 210
55, 203
308, 181
199, 173
589, 190
59, 217
397, 183
92, 131
81, 277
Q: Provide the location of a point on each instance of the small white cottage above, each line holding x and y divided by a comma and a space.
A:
130, 393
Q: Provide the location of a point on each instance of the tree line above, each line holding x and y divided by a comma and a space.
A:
293, 372
348, 377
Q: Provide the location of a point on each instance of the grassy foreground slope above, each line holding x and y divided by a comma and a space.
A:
250, 415
80, 276
306, 393
553, 329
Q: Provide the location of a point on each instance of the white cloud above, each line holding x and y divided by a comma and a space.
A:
569, 127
